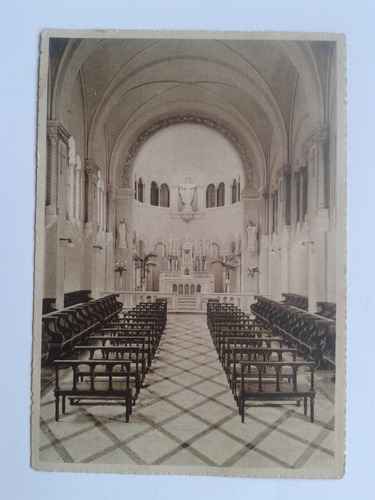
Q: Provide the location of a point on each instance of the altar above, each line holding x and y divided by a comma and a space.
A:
187, 274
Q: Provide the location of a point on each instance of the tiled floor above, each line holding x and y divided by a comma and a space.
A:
186, 415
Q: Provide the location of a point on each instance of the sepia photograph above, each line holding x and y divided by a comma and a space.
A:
190, 254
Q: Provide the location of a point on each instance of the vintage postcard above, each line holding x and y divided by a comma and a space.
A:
190, 264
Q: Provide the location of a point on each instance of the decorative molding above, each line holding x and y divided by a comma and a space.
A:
187, 216
56, 130
91, 168
179, 119
250, 193
284, 171
318, 136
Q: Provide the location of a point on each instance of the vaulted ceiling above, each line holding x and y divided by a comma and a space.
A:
248, 86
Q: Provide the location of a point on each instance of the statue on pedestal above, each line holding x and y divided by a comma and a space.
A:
251, 235
122, 235
186, 192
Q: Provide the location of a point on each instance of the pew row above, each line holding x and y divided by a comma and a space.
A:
314, 336
63, 329
273, 384
258, 362
112, 363
95, 380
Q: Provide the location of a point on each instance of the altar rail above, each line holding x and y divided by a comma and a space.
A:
131, 299
313, 335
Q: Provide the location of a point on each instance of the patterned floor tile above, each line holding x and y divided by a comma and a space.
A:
185, 457
158, 411
186, 416
187, 398
284, 448
247, 431
212, 412
152, 446
217, 447
185, 427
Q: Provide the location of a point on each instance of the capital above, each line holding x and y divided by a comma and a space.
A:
56, 131
91, 168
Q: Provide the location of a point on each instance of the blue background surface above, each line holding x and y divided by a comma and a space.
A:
21, 24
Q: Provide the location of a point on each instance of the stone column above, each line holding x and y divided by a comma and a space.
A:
251, 200
319, 140
70, 192
57, 154
123, 212
92, 170
110, 214
321, 173
77, 191
284, 179
56, 134
51, 194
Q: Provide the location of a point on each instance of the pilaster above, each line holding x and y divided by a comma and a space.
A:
56, 134
92, 170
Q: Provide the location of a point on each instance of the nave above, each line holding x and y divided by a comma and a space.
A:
186, 416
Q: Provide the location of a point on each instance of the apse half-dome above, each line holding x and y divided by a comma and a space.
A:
187, 152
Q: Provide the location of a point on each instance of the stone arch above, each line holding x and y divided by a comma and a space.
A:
155, 127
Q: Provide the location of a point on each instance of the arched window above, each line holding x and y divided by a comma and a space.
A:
234, 191
164, 195
140, 190
186, 290
221, 195
192, 289
180, 289
199, 288
210, 196
174, 288
154, 198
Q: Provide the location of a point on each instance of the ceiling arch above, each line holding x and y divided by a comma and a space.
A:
246, 86
200, 108
188, 71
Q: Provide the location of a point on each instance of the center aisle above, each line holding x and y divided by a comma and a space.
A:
186, 415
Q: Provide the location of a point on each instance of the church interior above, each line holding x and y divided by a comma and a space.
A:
191, 199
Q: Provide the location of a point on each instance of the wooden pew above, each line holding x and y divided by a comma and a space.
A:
150, 335
313, 335
262, 387
246, 342
238, 354
124, 353
221, 336
94, 380
142, 342
63, 329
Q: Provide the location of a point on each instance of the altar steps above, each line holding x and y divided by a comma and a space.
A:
186, 303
